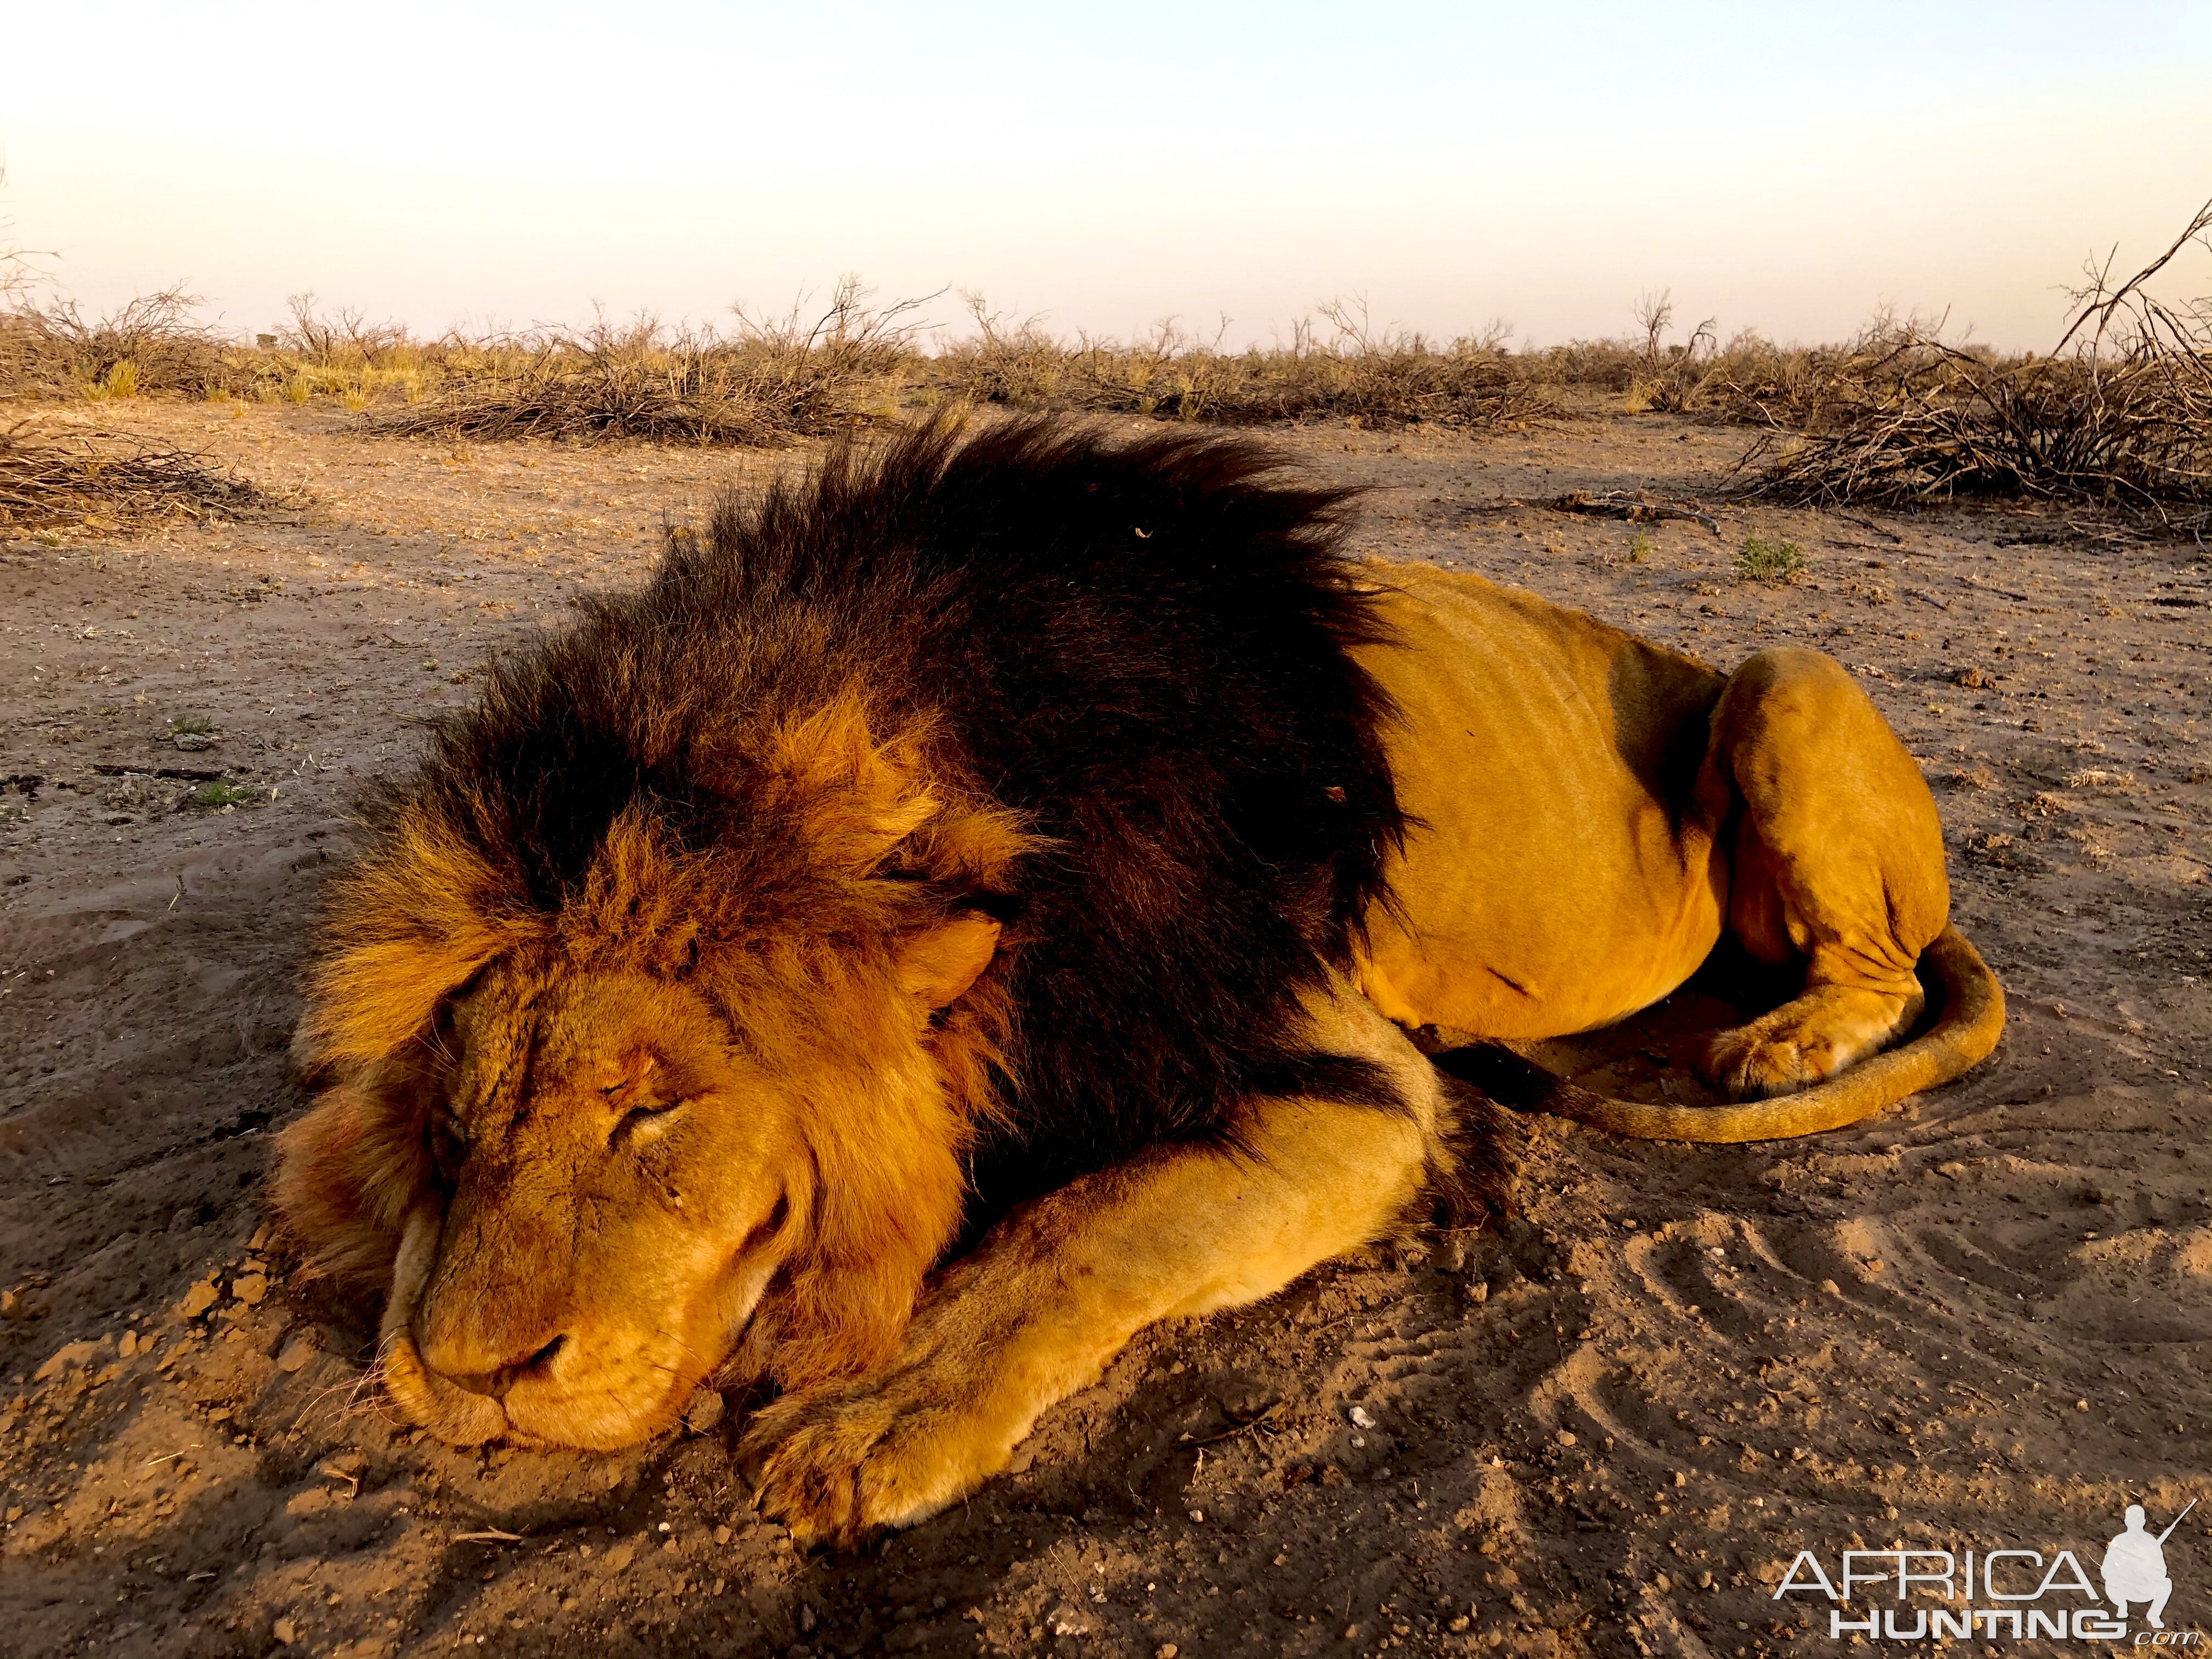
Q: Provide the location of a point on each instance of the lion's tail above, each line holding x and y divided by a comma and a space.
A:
1970, 1018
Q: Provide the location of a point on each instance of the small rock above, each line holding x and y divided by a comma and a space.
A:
285, 1631
1360, 1418
1198, 1514
129, 1346
621, 1555
250, 1288
199, 1299
1661, 1582
1064, 1620
1564, 1437
298, 1351
1479, 1291
721, 1536
1166, 1651
704, 1411
193, 742
806, 1621
1828, 1287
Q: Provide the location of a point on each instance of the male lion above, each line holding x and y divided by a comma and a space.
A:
1031, 832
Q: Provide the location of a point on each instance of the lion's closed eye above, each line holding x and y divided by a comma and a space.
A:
634, 1098
625, 1091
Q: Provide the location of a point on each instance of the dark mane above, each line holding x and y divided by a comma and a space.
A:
1139, 645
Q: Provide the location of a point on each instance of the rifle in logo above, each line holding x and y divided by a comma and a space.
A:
2134, 1566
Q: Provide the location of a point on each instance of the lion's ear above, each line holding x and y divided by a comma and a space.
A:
937, 967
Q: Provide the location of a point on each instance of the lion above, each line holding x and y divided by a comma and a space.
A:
1000, 891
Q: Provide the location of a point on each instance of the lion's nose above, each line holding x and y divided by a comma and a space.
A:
495, 1379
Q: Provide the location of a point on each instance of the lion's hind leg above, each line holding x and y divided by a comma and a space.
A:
1839, 864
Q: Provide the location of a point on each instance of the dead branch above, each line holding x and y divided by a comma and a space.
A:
1634, 506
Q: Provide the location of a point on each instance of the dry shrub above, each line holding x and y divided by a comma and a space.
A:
1358, 375
1017, 365
1753, 382
2119, 414
1749, 378
773, 379
1652, 373
105, 483
343, 339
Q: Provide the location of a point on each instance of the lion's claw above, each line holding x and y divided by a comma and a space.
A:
836, 1465
1749, 1065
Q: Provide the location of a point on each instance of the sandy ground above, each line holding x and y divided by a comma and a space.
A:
1605, 1429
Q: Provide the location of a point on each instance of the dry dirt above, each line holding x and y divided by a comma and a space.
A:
1605, 1428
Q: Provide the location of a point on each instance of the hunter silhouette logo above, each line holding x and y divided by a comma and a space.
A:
1905, 1595
2134, 1566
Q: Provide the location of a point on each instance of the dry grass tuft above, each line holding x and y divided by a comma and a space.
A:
59, 484
2119, 415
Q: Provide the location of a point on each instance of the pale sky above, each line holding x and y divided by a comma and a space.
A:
1783, 165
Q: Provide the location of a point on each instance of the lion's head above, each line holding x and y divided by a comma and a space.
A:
706, 1095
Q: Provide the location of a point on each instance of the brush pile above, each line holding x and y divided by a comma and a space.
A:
152, 346
2119, 415
105, 484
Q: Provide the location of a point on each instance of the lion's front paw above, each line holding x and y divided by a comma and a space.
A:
836, 1464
